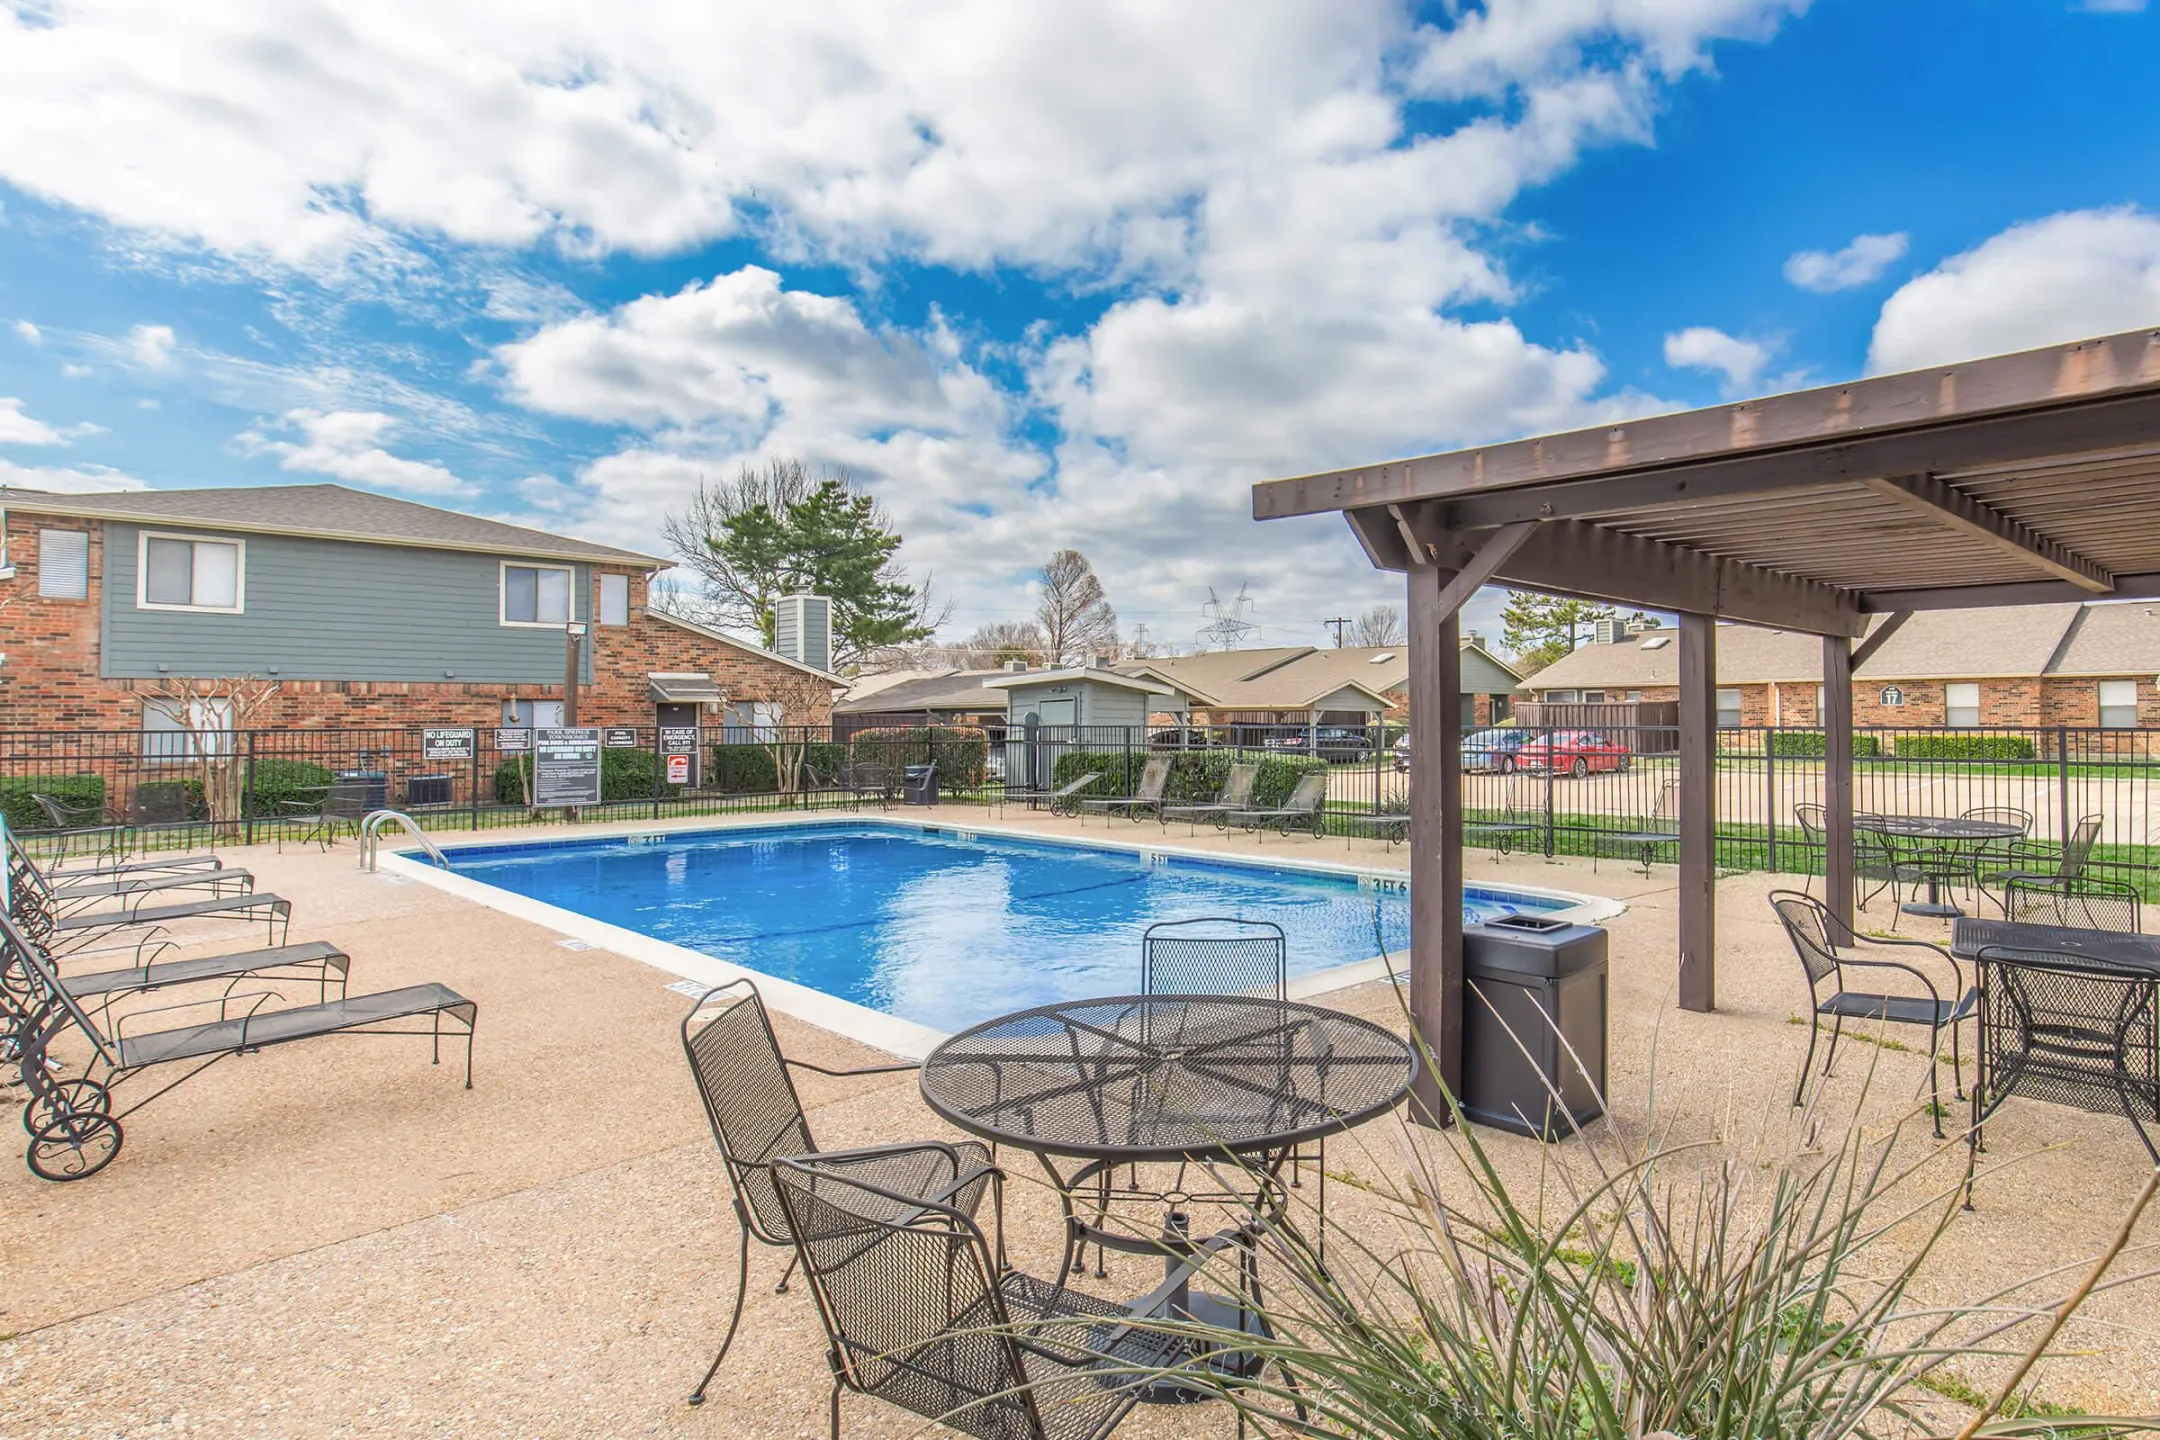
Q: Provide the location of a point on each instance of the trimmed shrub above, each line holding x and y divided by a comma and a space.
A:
1196, 776
1813, 745
1964, 747
274, 784
743, 769
960, 752
82, 795
624, 775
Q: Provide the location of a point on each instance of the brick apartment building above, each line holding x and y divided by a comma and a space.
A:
361, 609
2090, 666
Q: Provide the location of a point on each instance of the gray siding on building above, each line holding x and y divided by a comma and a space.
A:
1481, 677
334, 610
1110, 705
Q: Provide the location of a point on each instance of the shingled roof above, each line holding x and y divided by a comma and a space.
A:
2010, 643
323, 512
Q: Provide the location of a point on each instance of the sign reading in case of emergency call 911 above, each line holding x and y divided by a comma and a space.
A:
446, 744
566, 766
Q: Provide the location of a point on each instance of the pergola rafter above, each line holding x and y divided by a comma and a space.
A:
2022, 479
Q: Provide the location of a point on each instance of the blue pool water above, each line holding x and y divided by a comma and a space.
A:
934, 926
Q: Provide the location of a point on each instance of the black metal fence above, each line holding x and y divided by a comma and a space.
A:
1559, 791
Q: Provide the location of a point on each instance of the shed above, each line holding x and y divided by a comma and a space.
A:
1085, 697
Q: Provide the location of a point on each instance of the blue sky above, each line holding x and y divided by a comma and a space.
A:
1068, 277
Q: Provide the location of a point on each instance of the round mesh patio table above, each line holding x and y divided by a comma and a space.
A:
1947, 830
1162, 1077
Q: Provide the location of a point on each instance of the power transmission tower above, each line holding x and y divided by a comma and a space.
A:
1337, 622
1227, 627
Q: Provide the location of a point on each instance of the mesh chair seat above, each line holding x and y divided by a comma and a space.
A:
1897, 1009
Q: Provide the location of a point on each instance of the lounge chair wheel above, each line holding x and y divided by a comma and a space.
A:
74, 1147
62, 1099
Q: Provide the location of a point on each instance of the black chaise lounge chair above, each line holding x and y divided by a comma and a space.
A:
757, 1119
45, 918
1147, 799
1236, 795
1063, 800
73, 1122
66, 892
315, 961
1306, 809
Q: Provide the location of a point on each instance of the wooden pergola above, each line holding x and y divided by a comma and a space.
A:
2019, 480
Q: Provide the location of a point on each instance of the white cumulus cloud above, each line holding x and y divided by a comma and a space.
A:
346, 444
17, 428
151, 346
29, 333
1702, 347
68, 479
2067, 277
1860, 263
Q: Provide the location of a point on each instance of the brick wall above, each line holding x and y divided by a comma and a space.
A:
50, 680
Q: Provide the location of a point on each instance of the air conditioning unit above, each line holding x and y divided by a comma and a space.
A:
802, 630
1608, 630
1016, 667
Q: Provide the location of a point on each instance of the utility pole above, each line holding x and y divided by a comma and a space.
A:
573, 633
1338, 622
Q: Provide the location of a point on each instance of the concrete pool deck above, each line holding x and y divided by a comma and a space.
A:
338, 1239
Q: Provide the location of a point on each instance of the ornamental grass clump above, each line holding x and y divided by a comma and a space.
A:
1672, 1291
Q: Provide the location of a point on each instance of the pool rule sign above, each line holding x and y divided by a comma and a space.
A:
566, 766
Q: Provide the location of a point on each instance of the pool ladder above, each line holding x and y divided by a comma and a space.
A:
371, 828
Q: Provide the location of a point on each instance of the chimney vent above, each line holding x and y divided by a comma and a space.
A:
802, 630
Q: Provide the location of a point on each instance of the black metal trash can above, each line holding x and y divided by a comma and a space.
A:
1537, 982
422, 790
918, 785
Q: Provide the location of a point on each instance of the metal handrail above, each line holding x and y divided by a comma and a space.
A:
371, 836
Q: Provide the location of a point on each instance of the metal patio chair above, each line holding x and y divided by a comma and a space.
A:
1306, 809
1814, 823
72, 1119
866, 777
2041, 864
921, 1311
1661, 827
2068, 1030
1518, 818
1826, 949
1236, 795
103, 834
2088, 904
1995, 854
757, 1119
1147, 797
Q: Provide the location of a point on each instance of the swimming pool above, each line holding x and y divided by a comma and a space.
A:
938, 925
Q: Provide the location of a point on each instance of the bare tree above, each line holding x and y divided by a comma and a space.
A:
1381, 625
1076, 621
796, 697
211, 715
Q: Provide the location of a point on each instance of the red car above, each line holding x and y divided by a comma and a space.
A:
1572, 752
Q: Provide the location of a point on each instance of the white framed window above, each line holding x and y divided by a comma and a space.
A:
1560, 697
185, 572
181, 730
614, 599
1728, 709
1961, 706
751, 722
536, 595
63, 564
1593, 697
2118, 705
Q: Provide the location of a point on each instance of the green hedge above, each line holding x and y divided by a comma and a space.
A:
624, 775
1195, 775
749, 770
1964, 747
960, 752
83, 795
272, 784
1813, 745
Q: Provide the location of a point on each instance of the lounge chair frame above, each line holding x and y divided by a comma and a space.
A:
1236, 795
1306, 809
1062, 801
1147, 797
74, 1125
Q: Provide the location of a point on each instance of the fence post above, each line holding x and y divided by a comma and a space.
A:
1770, 805
1550, 840
473, 790
659, 772
247, 792
1130, 784
2062, 781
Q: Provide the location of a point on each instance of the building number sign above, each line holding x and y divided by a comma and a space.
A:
1892, 696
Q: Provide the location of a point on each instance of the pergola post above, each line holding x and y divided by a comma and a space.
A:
1698, 810
1436, 861
1837, 668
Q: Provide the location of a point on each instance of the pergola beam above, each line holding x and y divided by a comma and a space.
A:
1866, 649
1957, 511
